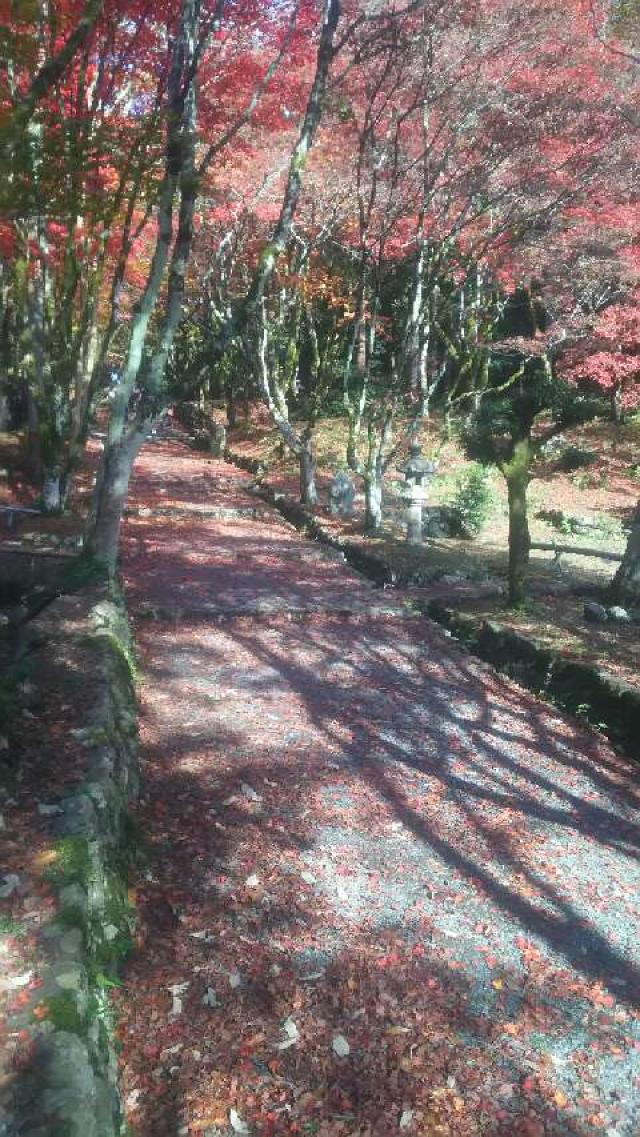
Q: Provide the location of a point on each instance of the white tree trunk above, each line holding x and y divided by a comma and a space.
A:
55, 486
373, 490
308, 490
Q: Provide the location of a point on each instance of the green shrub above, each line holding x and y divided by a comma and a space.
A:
474, 499
574, 458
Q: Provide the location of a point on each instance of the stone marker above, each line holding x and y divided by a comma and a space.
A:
218, 440
595, 613
341, 495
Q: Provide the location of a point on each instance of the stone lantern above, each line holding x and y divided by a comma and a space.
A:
416, 472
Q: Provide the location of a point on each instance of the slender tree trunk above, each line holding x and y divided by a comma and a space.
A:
378, 458
625, 586
128, 428
33, 432
111, 495
373, 489
54, 490
352, 450
312, 116
230, 403
308, 491
616, 404
517, 476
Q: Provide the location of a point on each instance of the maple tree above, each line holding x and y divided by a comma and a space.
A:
341, 216
609, 355
456, 188
64, 44
78, 198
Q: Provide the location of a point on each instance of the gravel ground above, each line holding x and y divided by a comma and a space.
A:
386, 891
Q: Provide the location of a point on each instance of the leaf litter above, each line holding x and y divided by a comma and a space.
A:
432, 898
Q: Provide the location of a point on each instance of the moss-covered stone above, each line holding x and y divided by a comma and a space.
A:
580, 688
73, 1087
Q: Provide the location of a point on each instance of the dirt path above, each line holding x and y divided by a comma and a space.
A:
386, 892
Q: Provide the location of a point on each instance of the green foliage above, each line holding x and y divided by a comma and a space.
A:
557, 519
522, 394
62, 1013
333, 406
73, 861
487, 435
84, 570
474, 499
9, 926
625, 20
602, 526
575, 458
591, 481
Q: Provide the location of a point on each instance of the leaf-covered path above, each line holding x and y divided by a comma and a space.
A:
386, 891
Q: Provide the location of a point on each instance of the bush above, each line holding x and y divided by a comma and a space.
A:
474, 500
573, 458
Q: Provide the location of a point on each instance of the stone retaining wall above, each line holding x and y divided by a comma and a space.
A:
580, 688
70, 1087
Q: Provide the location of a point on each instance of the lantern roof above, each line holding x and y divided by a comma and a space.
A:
417, 465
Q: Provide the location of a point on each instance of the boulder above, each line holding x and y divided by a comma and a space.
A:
620, 615
595, 613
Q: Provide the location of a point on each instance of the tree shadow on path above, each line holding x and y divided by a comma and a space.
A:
454, 861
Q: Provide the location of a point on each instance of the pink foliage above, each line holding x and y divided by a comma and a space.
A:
610, 355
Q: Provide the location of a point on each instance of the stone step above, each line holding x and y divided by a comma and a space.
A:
215, 512
266, 610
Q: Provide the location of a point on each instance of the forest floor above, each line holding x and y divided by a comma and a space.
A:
386, 891
603, 493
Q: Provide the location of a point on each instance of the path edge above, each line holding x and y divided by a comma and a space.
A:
70, 1088
582, 690
587, 693
374, 568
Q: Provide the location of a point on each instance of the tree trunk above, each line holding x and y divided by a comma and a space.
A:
231, 409
517, 476
625, 586
104, 536
5, 413
293, 187
373, 488
616, 403
127, 433
53, 491
308, 491
352, 450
